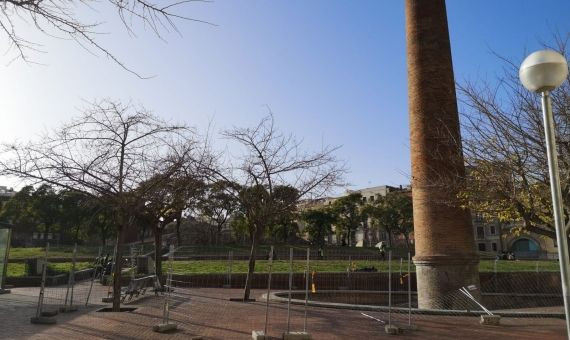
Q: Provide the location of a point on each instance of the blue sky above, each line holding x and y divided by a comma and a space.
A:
332, 72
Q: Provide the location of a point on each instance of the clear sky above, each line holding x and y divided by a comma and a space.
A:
332, 71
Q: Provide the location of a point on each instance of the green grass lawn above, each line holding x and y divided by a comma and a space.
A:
19, 269
65, 251
240, 266
222, 251
214, 266
264, 249
282, 266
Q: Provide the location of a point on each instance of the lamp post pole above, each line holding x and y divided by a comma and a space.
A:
542, 72
557, 203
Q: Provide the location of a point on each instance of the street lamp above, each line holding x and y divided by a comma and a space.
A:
542, 72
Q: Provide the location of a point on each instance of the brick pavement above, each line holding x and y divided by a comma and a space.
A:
208, 313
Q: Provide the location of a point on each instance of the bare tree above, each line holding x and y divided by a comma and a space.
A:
504, 146
168, 195
105, 153
63, 18
271, 160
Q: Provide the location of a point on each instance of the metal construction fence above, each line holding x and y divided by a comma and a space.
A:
291, 290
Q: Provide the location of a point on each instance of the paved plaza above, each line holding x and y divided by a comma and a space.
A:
207, 313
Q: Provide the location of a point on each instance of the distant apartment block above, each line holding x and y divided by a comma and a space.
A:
495, 237
490, 237
369, 195
6, 193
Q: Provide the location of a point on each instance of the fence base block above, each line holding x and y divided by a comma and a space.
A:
490, 320
165, 327
4, 291
409, 327
392, 329
258, 335
107, 299
43, 320
49, 313
297, 336
241, 300
67, 309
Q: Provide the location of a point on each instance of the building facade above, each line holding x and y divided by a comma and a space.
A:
494, 237
491, 237
369, 195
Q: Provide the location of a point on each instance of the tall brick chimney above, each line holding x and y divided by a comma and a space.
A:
445, 248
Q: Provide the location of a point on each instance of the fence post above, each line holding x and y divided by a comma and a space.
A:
389, 328
390, 287
306, 289
166, 326
70, 284
537, 279
72, 277
290, 288
39, 318
268, 292
133, 264
97, 263
231, 269
495, 278
409, 291
109, 297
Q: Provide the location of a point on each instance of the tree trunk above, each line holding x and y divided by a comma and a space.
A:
365, 231
389, 231
219, 234
251, 266
117, 270
103, 236
158, 251
178, 222
407, 237
143, 232
76, 234
501, 243
46, 232
374, 237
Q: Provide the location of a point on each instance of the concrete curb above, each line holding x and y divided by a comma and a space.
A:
399, 310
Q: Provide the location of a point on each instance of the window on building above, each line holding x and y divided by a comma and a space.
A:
492, 230
364, 199
480, 232
371, 198
479, 217
35, 236
49, 235
482, 247
494, 246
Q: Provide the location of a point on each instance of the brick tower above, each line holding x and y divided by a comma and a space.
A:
445, 248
